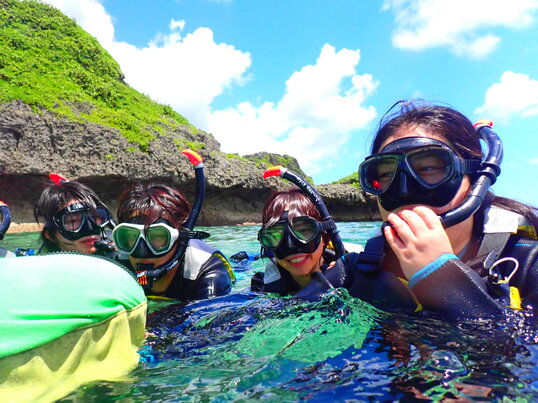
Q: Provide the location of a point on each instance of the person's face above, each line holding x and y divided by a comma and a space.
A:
462, 191
81, 245
302, 264
156, 261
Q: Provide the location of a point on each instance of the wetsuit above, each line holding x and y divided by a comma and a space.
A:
449, 285
204, 273
275, 280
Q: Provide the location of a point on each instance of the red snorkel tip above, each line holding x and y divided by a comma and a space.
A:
482, 123
194, 158
277, 170
58, 179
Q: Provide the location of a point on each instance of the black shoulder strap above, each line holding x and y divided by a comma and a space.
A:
370, 259
491, 247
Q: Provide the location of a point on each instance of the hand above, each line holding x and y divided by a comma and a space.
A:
417, 238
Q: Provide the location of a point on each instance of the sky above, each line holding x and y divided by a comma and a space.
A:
312, 78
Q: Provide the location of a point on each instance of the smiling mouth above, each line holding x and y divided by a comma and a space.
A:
298, 260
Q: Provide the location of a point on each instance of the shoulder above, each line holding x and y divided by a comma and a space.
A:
202, 258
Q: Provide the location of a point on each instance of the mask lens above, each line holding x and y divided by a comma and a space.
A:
271, 237
102, 217
377, 173
159, 237
72, 222
304, 228
432, 166
125, 238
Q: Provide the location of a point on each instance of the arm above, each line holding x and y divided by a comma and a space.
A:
439, 280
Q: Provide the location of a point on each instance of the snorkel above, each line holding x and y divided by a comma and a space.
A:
5, 219
314, 196
489, 170
146, 274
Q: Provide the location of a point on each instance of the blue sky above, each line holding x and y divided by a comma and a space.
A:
312, 78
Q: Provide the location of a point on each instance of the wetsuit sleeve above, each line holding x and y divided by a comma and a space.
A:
450, 287
526, 277
214, 279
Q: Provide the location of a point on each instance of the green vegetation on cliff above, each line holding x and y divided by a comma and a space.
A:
49, 62
352, 179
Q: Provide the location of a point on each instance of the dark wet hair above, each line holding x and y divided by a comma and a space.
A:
461, 135
299, 205
153, 202
55, 197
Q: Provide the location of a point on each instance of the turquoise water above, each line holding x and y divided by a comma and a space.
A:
246, 346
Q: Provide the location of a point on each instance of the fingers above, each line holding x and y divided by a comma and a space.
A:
392, 238
430, 219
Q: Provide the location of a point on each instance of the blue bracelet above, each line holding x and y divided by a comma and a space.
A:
429, 269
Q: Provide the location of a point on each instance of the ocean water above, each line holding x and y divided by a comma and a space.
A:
247, 346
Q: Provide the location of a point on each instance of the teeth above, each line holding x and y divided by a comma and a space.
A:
298, 259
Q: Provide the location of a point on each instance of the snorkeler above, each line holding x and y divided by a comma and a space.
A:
5, 221
169, 259
292, 233
298, 235
450, 246
75, 218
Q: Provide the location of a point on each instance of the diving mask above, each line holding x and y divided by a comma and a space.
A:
152, 241
78, 220
298, 235
415, 170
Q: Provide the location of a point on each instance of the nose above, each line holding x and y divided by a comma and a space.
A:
404, 185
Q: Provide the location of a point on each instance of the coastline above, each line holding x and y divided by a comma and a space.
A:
24, 227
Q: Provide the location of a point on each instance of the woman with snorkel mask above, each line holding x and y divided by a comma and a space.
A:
292, 235
169, 260
75, 218
448, 245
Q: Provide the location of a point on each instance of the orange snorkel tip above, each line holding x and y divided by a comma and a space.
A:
58, 179
194, 158
482, 123
277, 170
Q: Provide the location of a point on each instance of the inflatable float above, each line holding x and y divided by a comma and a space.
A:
66, 320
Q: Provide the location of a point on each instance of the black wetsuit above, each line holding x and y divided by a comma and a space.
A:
284, 285
448, 286
204, 273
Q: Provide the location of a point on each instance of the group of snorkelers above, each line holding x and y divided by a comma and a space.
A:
447, 245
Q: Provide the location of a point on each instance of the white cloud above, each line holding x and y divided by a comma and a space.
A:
313, 120
514, 95
322, 105
533, 161
186, 73
459, 25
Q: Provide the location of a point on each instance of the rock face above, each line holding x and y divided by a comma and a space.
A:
32, 145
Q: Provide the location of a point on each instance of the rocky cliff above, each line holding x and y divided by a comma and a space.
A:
35, 144
65, 108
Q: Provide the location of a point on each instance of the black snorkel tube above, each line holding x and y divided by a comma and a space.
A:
489, 170
144, 273
5, 219
314, 196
